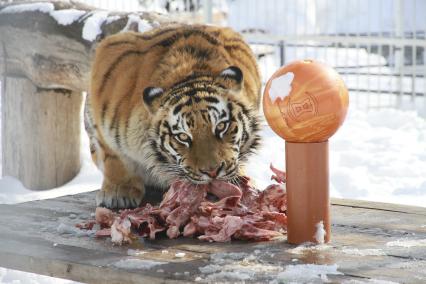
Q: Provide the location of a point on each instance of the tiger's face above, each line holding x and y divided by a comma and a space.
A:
204, 129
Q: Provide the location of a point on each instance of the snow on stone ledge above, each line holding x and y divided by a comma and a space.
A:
62, 17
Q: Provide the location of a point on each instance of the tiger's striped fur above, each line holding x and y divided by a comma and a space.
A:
177, 101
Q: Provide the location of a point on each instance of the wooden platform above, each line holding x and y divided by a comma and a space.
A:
369, 241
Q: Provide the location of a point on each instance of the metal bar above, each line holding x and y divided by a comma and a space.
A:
358, 34
282, 53
414, 52
364, 40
380, 51
399, 53
368, 60
208, 11
305, 28
396, 92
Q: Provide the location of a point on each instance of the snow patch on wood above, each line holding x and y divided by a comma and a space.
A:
281, 86
92, 26
320, 233
304, 273
30, 7
111, 19
142, 24
407, 243
180, 254
363, 252
236, 267
308, 248
133, 263
67, 16
63, 17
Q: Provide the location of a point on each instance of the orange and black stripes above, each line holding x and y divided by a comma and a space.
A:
204, 108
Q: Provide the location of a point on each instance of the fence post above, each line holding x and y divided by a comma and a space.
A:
282, 52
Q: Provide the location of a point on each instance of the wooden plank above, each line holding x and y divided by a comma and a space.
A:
369, 241
379, 206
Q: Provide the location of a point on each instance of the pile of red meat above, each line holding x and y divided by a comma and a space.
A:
241, 212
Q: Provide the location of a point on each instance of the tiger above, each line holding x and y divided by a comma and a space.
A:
177, 102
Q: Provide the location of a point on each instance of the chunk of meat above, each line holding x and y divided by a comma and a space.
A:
278, 176
104, 216
229, 225
120, 231
178, 206
240, 212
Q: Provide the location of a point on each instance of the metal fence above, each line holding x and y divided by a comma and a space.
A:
378, 46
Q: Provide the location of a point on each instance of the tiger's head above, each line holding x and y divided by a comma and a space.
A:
203, 128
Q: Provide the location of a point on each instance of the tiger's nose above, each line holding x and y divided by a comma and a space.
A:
213, 172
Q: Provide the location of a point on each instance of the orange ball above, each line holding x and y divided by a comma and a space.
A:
305, 101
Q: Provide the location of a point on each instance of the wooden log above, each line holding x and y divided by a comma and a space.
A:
41, 134
46, 63
60, 54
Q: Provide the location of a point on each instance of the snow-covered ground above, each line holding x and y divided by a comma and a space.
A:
9, 276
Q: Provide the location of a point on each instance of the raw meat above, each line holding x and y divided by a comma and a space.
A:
239, 212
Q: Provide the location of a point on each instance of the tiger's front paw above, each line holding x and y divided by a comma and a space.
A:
120, 196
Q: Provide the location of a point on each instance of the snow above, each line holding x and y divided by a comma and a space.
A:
136, 252
10, 276
111, 19
281, 86
309, 248
67, 16
368, 281
320, 232
41, 7
63, 17
92, 25
303, 273
362, 252
135, 263
180, 255
407, 243
143, 25
236, 267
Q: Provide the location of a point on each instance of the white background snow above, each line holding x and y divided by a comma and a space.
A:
377, 155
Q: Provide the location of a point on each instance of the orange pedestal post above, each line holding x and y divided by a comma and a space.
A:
308, 200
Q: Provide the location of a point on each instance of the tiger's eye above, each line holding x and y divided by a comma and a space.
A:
183, 137
221, 126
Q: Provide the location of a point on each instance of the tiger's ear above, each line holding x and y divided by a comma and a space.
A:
150, 94
231, 78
